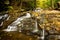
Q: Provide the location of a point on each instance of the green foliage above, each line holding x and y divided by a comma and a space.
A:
29, 5
46, 3
55, 4
10, 7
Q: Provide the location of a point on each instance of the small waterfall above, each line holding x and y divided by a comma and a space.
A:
43, 30
43, 35
36, 26
13, 26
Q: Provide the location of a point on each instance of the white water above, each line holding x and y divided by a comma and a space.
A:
1, 24
43, 36
1, 17
8, 18
36, 27
13, 26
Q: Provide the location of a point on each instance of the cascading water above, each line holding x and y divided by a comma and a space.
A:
43, 35
13, 26
36, 26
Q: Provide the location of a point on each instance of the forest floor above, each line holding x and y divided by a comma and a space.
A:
17, 35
